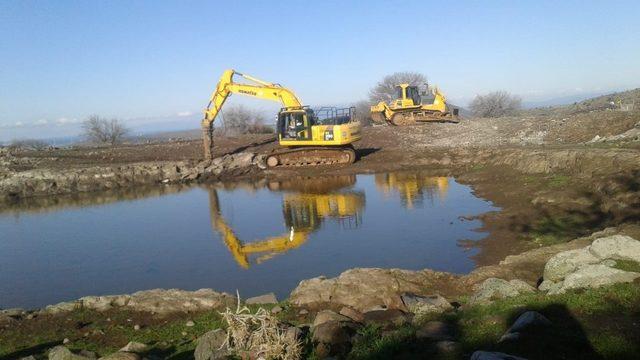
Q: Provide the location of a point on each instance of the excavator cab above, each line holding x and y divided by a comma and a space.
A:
295, 124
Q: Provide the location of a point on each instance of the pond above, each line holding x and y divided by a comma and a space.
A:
252, 237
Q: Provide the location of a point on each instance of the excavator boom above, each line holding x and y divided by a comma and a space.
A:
226, 86
311, 140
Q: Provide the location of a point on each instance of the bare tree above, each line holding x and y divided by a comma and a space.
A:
495, 104
241, 120
363, 112
29, 144
385, 90
104, 131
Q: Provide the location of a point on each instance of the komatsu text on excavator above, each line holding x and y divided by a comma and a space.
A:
311, 137
413, 105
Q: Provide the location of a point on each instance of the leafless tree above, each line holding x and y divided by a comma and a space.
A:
495, 104
241, 120
385, 90
104, 131
363, 112
29, 144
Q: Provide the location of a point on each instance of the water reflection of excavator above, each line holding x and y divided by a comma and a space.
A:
303, 214
412, 187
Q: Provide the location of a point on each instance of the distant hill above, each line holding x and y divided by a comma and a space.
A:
616, 100
563, 100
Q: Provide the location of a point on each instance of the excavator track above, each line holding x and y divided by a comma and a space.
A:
310, 156
414, 117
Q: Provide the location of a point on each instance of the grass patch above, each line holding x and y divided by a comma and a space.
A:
628, 265
552, 230
557, 181
373, 343
105, 333
590, 324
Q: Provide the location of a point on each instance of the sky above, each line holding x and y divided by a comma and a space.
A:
150, 63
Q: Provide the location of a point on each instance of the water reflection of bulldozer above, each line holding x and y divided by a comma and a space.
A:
413, 187
303, 214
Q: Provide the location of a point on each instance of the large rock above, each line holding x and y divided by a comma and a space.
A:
617, 247
421, 305
493, 289
62, 307
364, 289
265, 299
593, 276
135, 347
62, 353
158, 301
210, 345
327, 316
103, 303
174, 300
332, 338
567, 262
387, 317
352, 314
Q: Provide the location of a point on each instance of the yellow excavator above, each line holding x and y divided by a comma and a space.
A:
323, 136
413, 106
303, 214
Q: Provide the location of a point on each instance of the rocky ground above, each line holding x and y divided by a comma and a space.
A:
582, 301
560, 266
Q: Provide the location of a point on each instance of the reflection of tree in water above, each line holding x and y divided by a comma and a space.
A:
413, 188
42, 204
306, 204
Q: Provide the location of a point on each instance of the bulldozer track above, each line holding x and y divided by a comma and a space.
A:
406, 118
311, 156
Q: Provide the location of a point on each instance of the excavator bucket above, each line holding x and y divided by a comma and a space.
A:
207, 141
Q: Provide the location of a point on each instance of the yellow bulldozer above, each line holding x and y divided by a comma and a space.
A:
309, 137
413, 106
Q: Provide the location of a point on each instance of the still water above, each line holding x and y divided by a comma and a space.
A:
253, 237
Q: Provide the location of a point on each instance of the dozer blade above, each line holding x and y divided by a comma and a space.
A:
311, 156
378, 117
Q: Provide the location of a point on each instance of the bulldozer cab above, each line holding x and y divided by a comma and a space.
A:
407, 95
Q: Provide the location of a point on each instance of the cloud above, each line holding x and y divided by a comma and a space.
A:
184, 113
18, 124
65, 121
41, 122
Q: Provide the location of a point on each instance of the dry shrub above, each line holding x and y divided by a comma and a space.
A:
101, 130
239, 119
259, 333
495, 104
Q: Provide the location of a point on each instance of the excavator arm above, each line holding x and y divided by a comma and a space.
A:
239, 250
258, 89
